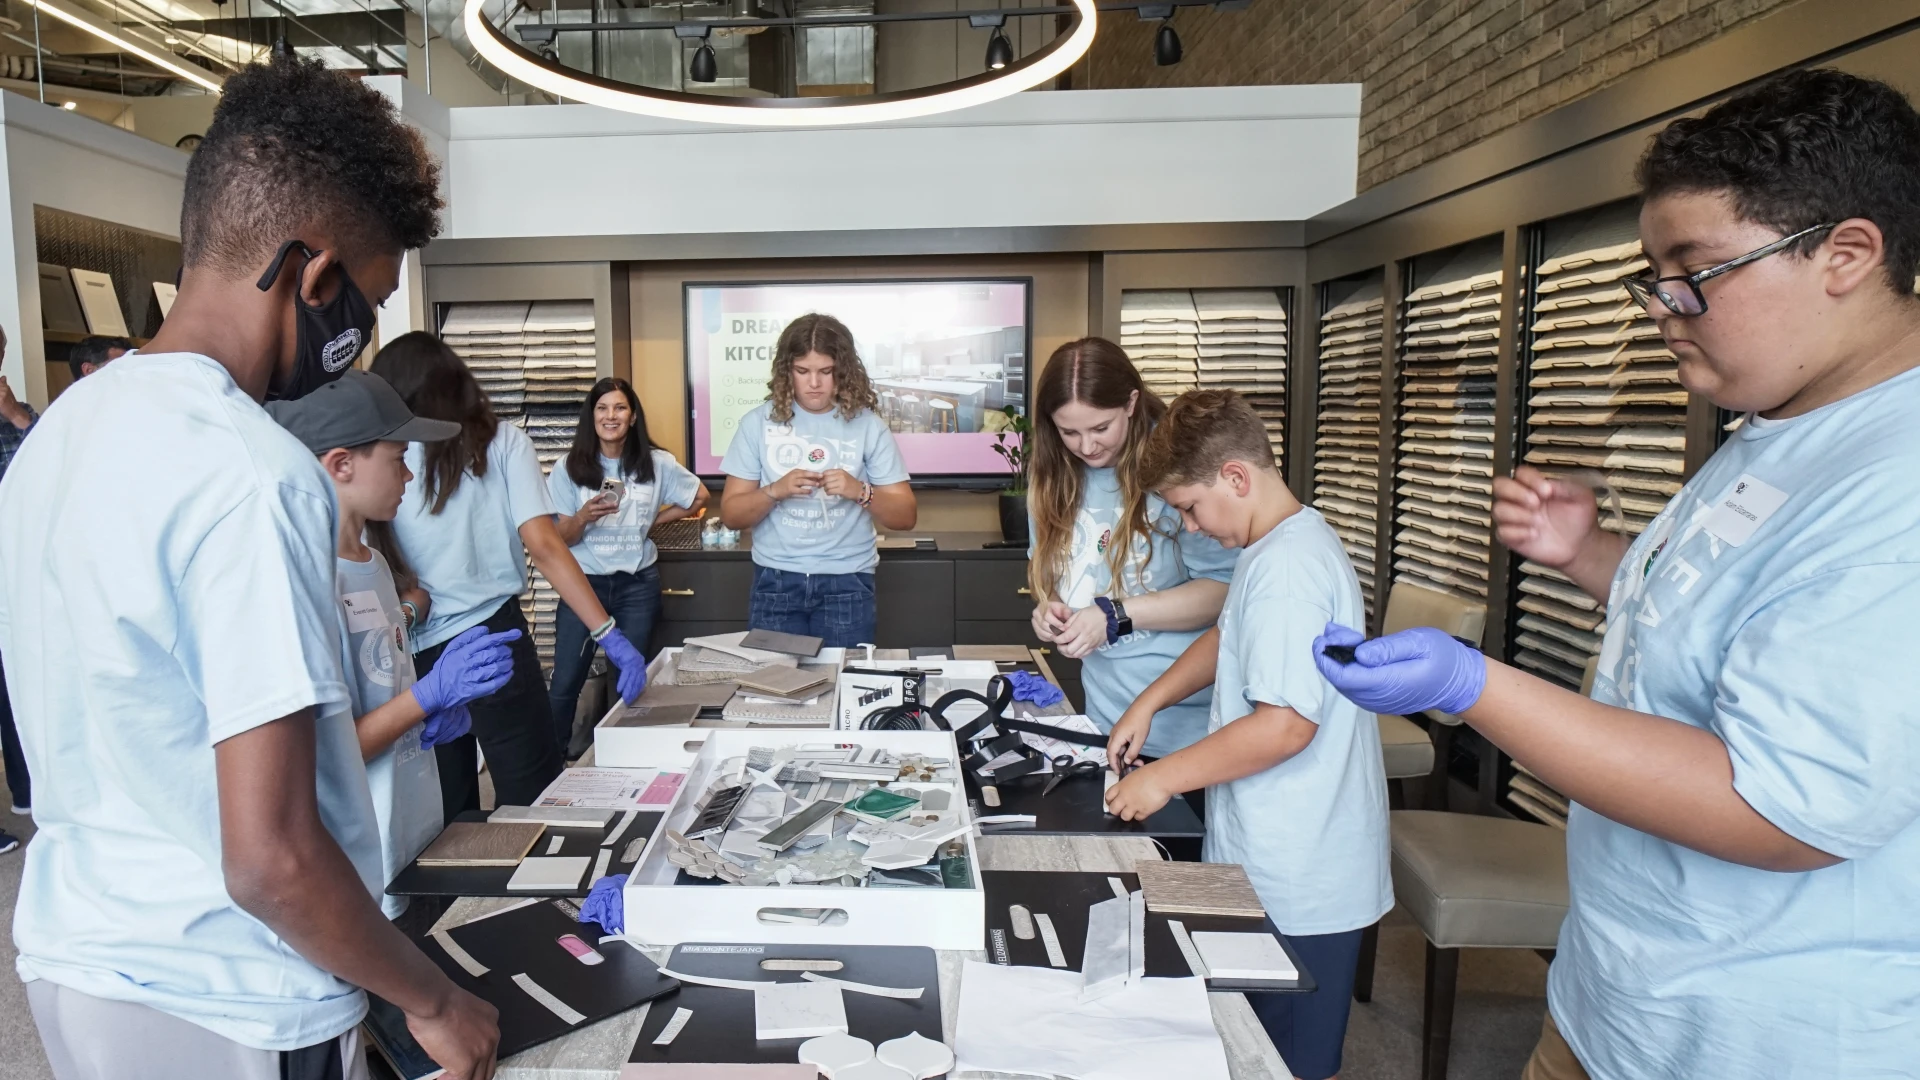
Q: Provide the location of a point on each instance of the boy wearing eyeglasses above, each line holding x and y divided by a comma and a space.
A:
1744, 844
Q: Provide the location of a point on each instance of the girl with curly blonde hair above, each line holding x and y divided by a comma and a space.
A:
811, 472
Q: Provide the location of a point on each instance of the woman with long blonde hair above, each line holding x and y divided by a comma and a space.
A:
811, 471
1115, 579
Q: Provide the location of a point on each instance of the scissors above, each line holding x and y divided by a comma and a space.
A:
1065, 767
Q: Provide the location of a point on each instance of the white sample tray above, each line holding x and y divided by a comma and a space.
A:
660, 912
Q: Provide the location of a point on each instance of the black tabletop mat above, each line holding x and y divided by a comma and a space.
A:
417, 880
1065, 896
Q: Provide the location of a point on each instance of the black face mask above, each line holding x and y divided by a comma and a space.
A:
327, 338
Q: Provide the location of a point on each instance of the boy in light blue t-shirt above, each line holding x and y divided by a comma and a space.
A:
1295, 789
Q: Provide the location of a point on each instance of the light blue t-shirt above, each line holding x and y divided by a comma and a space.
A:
404, 778
1312, 830
468, 556
166, 583
820, 533
1113, 676
1772, 603
617, 543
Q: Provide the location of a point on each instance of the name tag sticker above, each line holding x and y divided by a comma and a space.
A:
1743, 509
363, 612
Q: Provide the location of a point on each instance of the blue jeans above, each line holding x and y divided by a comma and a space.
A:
634, 602
837, 608
1309, 1030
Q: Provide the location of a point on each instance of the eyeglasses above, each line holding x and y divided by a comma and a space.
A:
1690, 301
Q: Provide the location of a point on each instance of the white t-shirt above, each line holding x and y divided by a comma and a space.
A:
617, 543
1771, 603
820, 533
1312, 830
404, 779
468, 556
166, 583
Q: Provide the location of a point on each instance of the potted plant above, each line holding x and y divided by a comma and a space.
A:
1010, 442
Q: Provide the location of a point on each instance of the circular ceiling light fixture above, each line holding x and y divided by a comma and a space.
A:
529, 67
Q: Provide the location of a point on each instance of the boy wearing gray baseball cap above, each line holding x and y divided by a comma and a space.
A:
359, 428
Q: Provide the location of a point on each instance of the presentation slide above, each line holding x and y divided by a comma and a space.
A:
945, 357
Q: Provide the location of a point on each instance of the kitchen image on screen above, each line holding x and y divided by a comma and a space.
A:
945, 358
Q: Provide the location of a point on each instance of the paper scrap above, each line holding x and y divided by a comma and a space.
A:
724, 984
545, 997
904, 993
1192, 955
1050, 938
626, 819
680, 1018
1031, 1021
460, 956
600, 866
553, 844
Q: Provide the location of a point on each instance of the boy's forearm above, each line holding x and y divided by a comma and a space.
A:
1252, 744
382, 727
1651, 773
1189, 674
1189, 605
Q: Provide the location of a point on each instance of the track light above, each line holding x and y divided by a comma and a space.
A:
999, 51
1166, 46
704, 68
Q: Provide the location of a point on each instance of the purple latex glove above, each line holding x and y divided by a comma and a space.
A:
473, 665
445, 726
1408, 672
630, 664
606, 904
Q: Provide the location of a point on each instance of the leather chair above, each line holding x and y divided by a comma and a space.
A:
1405, 747
1474, 881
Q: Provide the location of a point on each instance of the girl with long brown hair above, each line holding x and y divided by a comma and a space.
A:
1116, 580
810, 472
476, 508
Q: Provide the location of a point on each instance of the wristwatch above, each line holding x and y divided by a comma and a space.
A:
1118, 624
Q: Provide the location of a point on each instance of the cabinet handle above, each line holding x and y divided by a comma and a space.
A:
676, 592
1023, 591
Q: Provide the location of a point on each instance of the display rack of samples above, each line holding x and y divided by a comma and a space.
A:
1160, 330
1449, 345
1604, 406
1243, 347
536, 361
1346, 455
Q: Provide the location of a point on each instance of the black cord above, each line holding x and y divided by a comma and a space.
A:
896, 718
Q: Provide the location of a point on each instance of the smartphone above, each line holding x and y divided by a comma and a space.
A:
612, 490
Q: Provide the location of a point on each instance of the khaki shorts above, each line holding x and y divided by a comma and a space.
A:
1552, 1058
90, 1038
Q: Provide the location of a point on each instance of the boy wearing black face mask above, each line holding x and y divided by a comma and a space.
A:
200, 900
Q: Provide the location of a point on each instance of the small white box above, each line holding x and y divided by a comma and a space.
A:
859, 699
660, 912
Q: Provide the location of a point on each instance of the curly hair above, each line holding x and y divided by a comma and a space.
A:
295, 145
1801, 149
828, 336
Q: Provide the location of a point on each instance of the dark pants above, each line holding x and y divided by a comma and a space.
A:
634, 602
837, 608
1310, 1029
18, 782
512, 724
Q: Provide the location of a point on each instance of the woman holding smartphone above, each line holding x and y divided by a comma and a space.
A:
1115, 579
611, 489
476, 508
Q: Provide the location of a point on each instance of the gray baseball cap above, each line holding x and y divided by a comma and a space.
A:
357, 408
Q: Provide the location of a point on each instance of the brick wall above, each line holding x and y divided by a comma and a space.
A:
1437, 74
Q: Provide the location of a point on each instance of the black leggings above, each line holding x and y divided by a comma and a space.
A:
513, 724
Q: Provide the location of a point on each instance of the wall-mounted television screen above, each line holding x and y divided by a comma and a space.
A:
945, 357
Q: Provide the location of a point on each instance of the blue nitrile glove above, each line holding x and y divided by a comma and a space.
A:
606, 904
1035, 688
628, 661
473, 665
1408, 672
445, 726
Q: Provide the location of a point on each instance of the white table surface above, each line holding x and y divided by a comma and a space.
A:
597, 1051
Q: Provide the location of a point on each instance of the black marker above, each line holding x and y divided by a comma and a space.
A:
1342, 654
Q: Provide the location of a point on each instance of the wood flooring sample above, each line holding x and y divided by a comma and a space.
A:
482, 843
1188, 888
